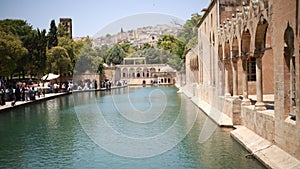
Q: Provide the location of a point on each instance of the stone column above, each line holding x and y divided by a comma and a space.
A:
246, 101
260, 105
227, 90
235, 77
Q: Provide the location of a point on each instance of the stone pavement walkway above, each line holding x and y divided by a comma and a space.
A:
266, 152
218, 117
8, 104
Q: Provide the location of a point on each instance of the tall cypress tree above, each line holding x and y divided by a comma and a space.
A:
52, 35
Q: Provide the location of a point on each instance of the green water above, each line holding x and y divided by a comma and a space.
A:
67, 132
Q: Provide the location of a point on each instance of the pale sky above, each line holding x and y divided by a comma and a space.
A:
92, 16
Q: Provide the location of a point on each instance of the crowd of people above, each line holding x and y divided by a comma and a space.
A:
29, 90
16, 92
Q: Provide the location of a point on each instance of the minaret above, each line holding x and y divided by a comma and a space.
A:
67, 22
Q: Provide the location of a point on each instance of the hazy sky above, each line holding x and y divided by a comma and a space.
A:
92, 16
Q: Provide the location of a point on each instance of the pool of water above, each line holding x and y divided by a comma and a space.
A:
150, 127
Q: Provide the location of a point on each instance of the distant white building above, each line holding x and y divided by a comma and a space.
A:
137, 72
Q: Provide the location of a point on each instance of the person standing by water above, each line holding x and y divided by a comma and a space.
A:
95, 85
17, 94
32, 94
2, 95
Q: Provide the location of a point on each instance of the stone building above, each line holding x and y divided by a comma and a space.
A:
67, 23
137, 72
247, 66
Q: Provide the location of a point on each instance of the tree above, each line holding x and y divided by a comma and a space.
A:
52, 35
116, 54
36, 59
102, 51
101, 67
24, 32
127, 47
146, 46
88, 60
58, 60
20, 28
190, 30
169, 42
70, 46
42, 50
175, 49
11, 50
152, 55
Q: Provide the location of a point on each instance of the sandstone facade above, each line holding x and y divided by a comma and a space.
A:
247, 52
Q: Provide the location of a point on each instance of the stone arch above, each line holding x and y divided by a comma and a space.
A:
227, 50
289, 73
220, 52
131, 73
228, 67
235, 60
260, 54
152, 71
139, 72
246, 41
125, 72
145, 72
235, 47
260, 35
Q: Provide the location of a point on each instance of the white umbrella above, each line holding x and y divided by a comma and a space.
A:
50, 76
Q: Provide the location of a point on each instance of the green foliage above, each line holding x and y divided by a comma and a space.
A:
36, 45
70, 46
102, 52
146, 46
11, 50
24, 32
52, 35
17, 27
190, 30
116, 54
152, 55
172, 44
58, 60
88, 59
101, 67
173, 47
127, 47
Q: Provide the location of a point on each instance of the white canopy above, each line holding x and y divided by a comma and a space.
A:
50, 76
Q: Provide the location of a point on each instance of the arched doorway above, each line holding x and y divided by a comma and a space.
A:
247, 71
228, 70
221, 71
152, 71
289, 74
125, 72
260, 52
235, 56
131, 72
138, 72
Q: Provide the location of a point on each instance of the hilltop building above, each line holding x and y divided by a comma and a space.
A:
137, 37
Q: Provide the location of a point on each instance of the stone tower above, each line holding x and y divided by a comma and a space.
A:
67, 22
